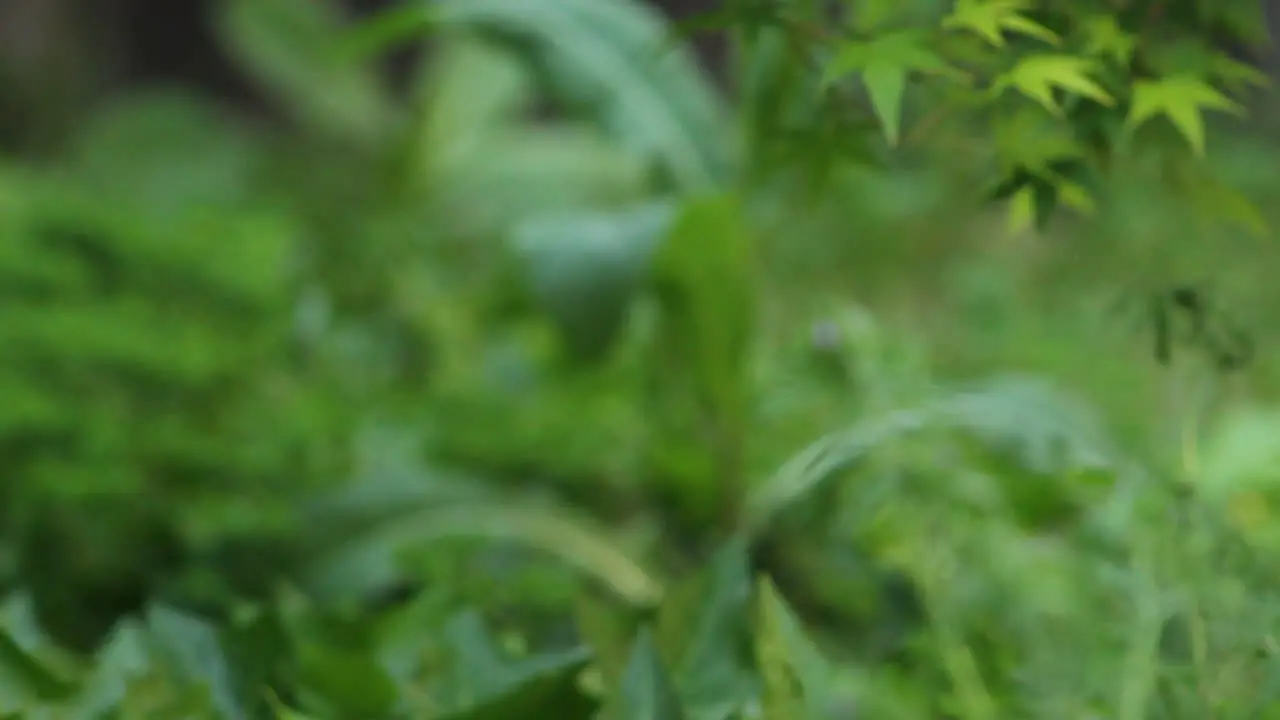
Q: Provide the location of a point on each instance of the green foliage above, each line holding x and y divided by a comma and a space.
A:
1063, 91
548, 386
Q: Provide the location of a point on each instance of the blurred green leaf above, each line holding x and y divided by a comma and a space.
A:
703, 631
586, 269
25, 681
191, 648
488, 686
472, 90
163, 152
884, 64
609, 629
294, 48
559, 533
705, 284
612, 55
1181, 100
793, 673
646, 691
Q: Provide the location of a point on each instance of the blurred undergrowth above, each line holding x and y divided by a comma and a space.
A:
554, 382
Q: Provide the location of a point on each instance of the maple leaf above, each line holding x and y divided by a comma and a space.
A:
1038, 76
885, 63
991, 19
1182, 99
1105, 38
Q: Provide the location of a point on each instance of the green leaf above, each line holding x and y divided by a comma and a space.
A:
347, 681
294, 48
613, 56
560, 533
473, 90
1218, 200
608, 628
885, 62
1039, 76
387, 29
646, 691
991, 19
703, 281
25, 680
166, 152
542, 686
1105, 38
1181, 99
1236, 75
795, 677
585, 269
704, 629
191, 648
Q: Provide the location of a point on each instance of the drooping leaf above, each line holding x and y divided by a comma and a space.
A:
561, 534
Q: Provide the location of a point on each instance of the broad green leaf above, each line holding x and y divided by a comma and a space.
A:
646, 691
991, 19
884, 63
586, 269
613, 55
704, 282
1039, 76
294, 48
1181, 99
796, 679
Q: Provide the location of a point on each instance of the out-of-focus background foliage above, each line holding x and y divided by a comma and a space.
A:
372, 379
